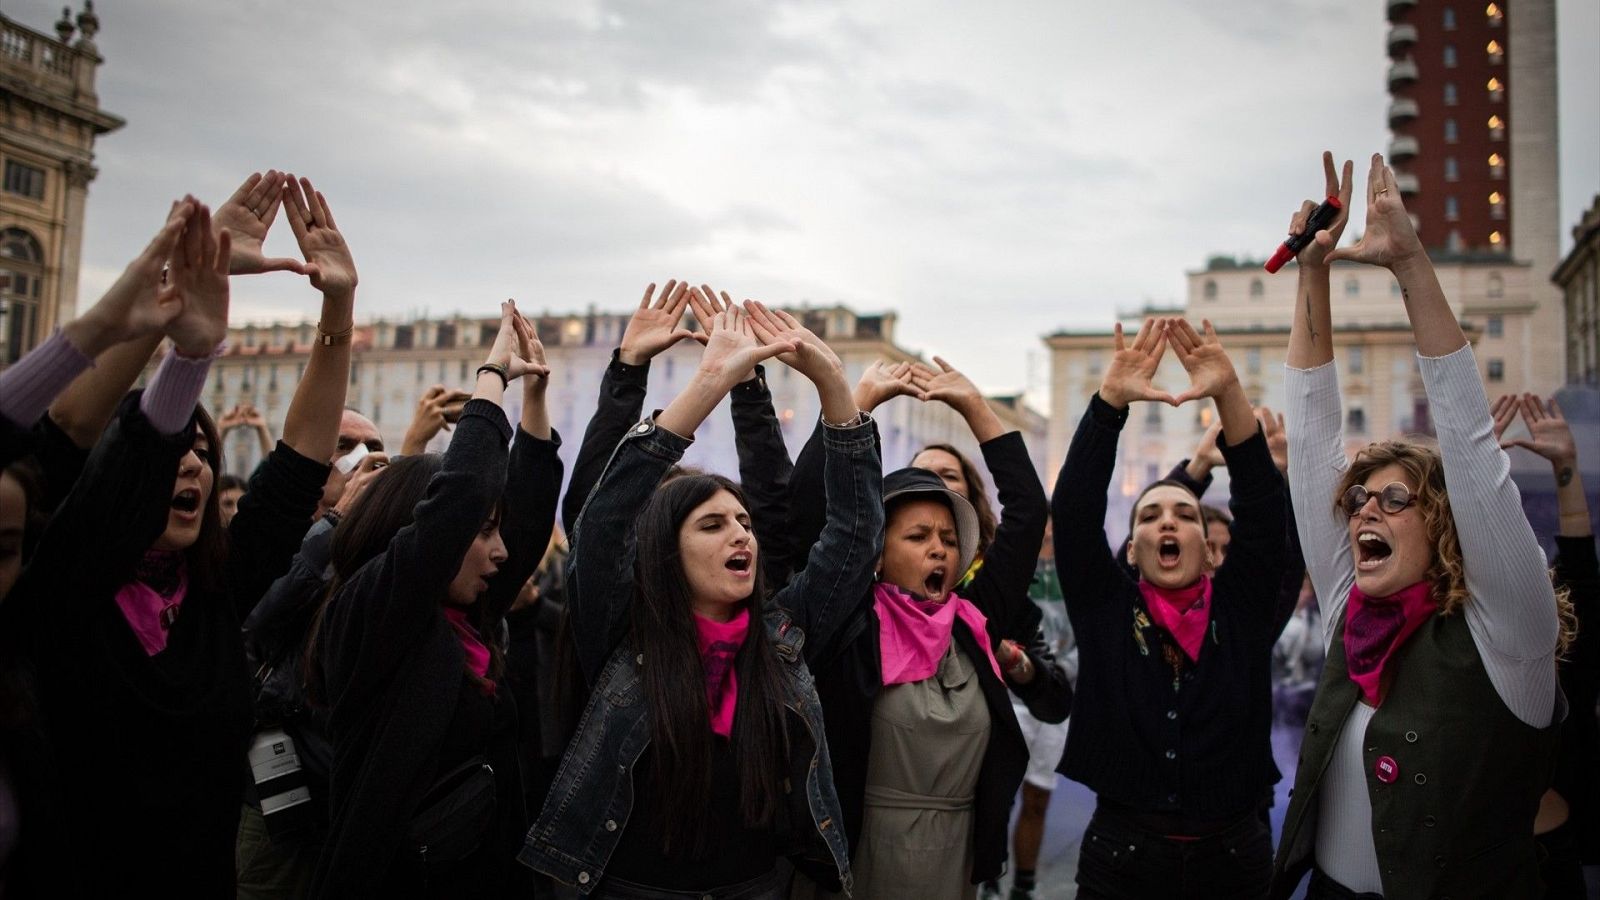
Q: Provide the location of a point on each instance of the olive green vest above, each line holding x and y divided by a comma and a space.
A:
1457, 818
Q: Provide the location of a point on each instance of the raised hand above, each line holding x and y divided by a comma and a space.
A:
1210, 370
141, 302
253, 417
530, 348
1207, 455
1128, 377
199, 274
329, 265
1389, 239
883, 381
248, 215
812, 356
509, 343
947, 386
1272, 428
233, 418
1341, 185
656, 325
1549, 435
732, 349
437, 409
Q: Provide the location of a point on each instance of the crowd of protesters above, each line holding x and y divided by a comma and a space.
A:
376, 672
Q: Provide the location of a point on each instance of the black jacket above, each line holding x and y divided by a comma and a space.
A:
1577, 775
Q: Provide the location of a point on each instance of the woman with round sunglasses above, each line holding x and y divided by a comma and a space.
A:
1434, 725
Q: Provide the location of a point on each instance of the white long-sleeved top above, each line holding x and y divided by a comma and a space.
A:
1511, 609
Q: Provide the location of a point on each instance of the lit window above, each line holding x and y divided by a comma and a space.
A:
1449, 19
1449, 56
1452, 172
1497, 165
1497, 90
1496, 238
1497, 53
1494, 13
1449, 93
1497, 370
1450, 133
1452, 209
1497, 128
1496, 326
24, 180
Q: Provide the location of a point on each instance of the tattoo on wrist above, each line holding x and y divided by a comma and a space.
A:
1564, 476
1310, 323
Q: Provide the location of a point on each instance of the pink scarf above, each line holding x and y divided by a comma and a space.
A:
1184, 612
913, 634
719, 644
150, 602
1376, 627
477, 651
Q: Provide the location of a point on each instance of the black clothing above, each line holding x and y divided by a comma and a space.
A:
1120, 860
1577, 776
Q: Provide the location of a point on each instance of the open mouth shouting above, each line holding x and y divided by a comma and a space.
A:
937, 581
1169, 553
186, 504
741, 564
1372, 551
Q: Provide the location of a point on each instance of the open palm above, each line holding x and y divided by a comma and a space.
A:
1389, 238
1133, 366
248, 216
1210, 370
329, 264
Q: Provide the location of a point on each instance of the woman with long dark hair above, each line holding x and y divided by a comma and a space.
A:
700, 760
425, 792
1435, 722
129, 611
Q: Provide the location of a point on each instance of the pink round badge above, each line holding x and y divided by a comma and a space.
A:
1386, 769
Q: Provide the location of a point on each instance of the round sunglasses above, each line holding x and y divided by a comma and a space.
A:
1392, 499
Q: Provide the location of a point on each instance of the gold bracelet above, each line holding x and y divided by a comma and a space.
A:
337, 339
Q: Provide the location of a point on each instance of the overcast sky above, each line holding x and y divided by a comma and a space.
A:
992, 171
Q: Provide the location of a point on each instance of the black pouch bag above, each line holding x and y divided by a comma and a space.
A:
455, 813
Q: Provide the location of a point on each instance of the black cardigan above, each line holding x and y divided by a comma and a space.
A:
392, 663
1577, 775
1203, 753
147, 752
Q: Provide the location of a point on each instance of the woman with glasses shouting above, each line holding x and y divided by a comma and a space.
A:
1434, 726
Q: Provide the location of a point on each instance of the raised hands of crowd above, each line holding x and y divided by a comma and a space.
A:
732, 350
1277, 435
811, 357
883, 381
1550, 436
248, 216
198, 274
1315, 254
1389, 238
141, 302
509, 356
950, 387
361, 477
329, 263
657, 324
437, 410
1131, 373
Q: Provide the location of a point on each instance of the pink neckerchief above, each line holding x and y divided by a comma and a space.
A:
913, 633
719, 644
151, 601
1184, 612
1376, 627
477, 651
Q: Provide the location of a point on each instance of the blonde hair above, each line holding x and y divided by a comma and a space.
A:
1423, 465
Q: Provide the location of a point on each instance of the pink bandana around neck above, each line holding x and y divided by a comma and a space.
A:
913, 634
149, 614
1375, 627
1185, 613
719, 645
477, 651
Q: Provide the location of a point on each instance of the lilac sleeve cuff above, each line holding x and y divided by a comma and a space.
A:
27, 387
174, 389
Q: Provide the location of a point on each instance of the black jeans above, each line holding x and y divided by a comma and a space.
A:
1560, 867
1120, 861
1324, 888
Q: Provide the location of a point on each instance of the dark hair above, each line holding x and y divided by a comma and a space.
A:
661, 627
1209, 514
389, 504
1133, 514
30, 477
231, 483
207, 557
977, 494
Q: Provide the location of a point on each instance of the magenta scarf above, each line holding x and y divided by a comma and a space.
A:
1376, 627
471, 644
1184, 612
150, 602
719, 644
913, 634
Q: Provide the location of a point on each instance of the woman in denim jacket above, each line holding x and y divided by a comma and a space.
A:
683, 655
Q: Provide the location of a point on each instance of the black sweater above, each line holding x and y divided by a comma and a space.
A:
393, 666
147, 751
1577, 776
1202, 753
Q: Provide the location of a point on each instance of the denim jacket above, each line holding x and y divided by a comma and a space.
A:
592, 797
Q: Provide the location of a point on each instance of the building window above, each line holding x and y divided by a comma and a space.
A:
1497, 53
21, 283
1210, 290
1497, 205
1496, 326
1497, 128
463, 377
1497, 284
1356, 420
1453, 243
1452, 171
1252, 360
24, 180
1497, 166
1358, 360
1496, 239
1495, 14
1449, 93
1452, 209
421, 375
1450, 133
1152, 417
1352, 287
1096, 365
1497, 370
1449, 18
1497, 90
272, 377
1449, 56
1257, 289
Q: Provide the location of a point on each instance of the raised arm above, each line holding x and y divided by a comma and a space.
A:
655, 326
311, 425
1317, 460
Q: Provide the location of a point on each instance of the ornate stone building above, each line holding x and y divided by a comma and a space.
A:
50, 116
